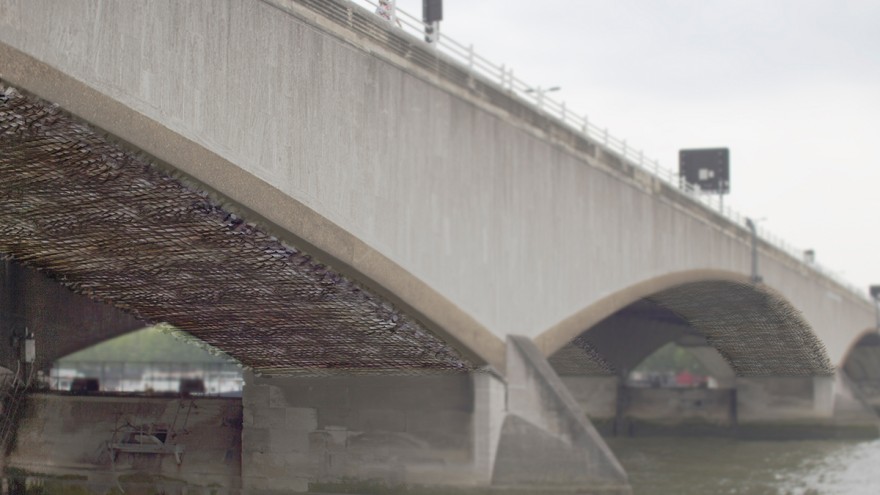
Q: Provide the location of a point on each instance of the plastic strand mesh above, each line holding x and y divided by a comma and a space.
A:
580, 357
758, 333
108, 224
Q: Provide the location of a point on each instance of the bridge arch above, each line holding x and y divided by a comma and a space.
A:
720, 307
862, 361
391, 299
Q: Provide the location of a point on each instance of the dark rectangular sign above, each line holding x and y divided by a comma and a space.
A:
432, 11
707, 168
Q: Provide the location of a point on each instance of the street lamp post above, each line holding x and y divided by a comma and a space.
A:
540, 92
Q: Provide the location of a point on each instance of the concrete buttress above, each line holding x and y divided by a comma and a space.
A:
547, 439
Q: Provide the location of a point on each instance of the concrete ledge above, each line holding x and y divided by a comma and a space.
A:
807, 431
636, 428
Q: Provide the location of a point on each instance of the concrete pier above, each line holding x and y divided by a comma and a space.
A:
449, 433
756, 407
467, 433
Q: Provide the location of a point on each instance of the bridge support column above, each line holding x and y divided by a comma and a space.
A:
356, 434
802, 407
361, 434
490, 405
784, 398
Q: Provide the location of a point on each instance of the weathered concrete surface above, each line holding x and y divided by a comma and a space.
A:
62, 322
411, 179
785, 398
803, 407
680, 405
391, 430
462, 432
65, 437
769, 407
624, 411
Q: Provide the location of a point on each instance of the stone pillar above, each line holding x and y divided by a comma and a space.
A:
365, 434
803, 407
274, 440
823, 396
785, 398
490, 408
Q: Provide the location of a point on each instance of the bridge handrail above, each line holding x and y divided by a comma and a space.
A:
504, 77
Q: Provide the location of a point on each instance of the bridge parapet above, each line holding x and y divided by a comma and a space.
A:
478, 67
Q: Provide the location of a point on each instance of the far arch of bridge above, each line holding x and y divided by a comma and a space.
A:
780, 341
557, 336
870, 336
867, 341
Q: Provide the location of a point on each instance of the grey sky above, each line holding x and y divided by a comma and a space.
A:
792, 87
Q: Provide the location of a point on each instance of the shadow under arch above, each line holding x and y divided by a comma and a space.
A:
414, 322
862, 362
755, 329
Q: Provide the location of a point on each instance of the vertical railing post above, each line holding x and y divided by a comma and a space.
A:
754, 230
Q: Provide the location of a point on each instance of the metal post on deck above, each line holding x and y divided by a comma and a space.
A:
875, 295
754, 230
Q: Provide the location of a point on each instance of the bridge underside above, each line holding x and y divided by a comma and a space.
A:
107, 223
756, 332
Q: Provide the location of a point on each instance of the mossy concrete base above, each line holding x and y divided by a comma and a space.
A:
380, 488
801, 430
24, 482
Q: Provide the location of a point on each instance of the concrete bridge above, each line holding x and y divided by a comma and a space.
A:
340, 207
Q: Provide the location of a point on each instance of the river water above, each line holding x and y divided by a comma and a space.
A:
710, 466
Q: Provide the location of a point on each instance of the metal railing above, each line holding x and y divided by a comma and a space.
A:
504, 77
